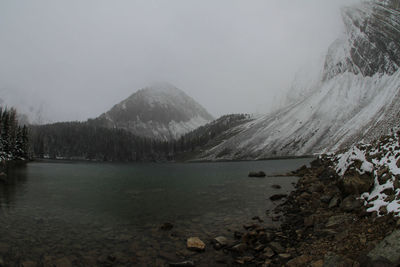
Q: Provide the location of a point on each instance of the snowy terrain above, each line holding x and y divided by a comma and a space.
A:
356, 98
380, 159
160, 111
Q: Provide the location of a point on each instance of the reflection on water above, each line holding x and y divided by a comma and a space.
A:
90, 214
14, 183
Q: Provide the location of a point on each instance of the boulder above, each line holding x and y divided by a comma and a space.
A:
351, 203
356, 184
334, 260
257, 174
195, 244
388, 248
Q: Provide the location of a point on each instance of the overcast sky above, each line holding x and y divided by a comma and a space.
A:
74, 59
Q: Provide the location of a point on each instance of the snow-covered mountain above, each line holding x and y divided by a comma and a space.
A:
357, 97
160, 111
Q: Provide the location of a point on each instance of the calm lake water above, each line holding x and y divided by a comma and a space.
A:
94, 214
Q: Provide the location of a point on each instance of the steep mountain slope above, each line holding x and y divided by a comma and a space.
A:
161, 111
356, 98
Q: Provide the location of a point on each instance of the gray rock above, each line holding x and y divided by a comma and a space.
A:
356, 184
334, 260
334, 202
277, 247
337, 220
219, 242
388, 248
350, 203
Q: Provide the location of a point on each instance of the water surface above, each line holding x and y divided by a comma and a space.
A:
90, 212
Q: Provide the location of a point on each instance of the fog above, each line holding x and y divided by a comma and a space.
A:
74, 59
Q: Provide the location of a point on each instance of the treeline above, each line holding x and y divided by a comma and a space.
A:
84, 141
14, 141
88, 141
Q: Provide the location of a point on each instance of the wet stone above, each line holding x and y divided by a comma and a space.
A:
166, 226
220, 242
195, 244
275, 246
277, 197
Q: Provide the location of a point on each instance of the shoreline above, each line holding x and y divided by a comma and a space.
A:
320, 225
187, 161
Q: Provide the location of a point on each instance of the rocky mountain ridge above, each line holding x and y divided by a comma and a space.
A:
357, 97
160, 111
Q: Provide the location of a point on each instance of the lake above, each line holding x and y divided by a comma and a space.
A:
109, 214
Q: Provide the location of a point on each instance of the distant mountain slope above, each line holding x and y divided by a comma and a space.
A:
357, 98
161, 111
193, 143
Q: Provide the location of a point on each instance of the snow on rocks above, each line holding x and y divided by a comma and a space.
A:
379, 160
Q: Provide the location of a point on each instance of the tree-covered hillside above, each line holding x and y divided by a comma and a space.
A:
89, 141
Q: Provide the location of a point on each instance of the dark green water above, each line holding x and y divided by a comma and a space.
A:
89, 211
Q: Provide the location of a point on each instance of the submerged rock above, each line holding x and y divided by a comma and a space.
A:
277, 197
220, 242
257, 174
195, 244
276, 186
166, 226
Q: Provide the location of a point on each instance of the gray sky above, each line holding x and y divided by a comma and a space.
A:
74, 59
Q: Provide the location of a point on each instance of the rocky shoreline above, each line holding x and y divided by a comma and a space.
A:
323, 222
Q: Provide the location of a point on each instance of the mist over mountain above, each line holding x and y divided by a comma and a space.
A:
160, 111
357, 97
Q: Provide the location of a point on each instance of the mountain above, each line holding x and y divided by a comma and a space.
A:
357, 97
161, 112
